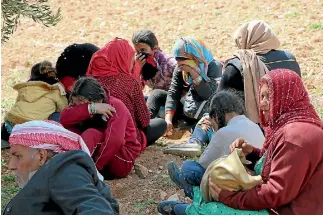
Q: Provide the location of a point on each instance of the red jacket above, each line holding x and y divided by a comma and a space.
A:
119, 145
129, 91
296, 173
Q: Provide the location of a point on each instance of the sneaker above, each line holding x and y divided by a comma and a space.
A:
167, 207
177, 177
186, 149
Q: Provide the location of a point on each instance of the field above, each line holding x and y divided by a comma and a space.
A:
298, 24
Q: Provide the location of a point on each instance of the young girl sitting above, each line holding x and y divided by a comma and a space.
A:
106, 126
38, 98
156, 69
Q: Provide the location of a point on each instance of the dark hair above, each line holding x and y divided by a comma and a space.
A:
74, 60
88, 88
222, 103
145, 36
44, 72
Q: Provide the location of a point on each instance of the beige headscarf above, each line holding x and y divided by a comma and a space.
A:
228, 173
254, 37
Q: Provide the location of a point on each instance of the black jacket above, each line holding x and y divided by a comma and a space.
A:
274, 59
66, 184
199, 93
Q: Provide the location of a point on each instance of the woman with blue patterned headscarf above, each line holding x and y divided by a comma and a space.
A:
196, 74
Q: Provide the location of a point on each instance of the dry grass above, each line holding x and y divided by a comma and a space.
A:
298, 23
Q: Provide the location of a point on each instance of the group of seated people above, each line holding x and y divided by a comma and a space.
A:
87, 120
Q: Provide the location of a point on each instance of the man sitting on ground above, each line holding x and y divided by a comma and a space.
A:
228, 120
56, 173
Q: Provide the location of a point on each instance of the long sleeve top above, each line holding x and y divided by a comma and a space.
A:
238, 127
166, 65
129, 91
274, 59
202, 91
296, 172
119, 132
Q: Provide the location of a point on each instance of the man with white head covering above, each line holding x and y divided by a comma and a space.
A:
55, 172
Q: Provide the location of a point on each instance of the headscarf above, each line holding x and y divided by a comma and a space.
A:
252, 38
47, 135
288, 102
114, 58
198, 56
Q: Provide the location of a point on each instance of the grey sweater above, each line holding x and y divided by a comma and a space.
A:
66, 184
238, 127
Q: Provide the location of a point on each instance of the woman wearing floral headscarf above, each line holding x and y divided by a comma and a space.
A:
196, 74
258, 52
291, 161
195, 78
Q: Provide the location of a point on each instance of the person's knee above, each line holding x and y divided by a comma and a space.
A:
92, 133
192, 171
189, 111
161, 126
156, 94
188, 165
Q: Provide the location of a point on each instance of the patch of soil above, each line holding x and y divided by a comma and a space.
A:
137, 195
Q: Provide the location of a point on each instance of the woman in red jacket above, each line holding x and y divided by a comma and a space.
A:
291, 160
105, 125
114, 67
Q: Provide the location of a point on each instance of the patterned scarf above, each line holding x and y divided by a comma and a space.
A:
47, 135
289, 102
196, 53
252, 38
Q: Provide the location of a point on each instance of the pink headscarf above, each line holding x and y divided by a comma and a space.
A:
289, 102
112, 59
47, 135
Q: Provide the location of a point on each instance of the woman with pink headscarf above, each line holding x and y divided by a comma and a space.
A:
115, 68
56, 174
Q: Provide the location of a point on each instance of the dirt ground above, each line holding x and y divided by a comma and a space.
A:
298, 24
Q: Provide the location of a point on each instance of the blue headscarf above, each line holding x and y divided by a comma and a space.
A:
194, 49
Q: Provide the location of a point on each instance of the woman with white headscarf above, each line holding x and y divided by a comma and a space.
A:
258, 53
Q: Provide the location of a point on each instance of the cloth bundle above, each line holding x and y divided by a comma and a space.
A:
229, 173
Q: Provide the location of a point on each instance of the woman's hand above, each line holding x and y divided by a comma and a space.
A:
244, 145
193, 73
140, 59
214, 190
105, 109
169, 121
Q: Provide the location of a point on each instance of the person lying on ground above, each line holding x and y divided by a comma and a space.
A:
41, 97
55, 172
258, 52
229, 123
105, 125
114, 66
195, 74
73, 63
156, 69
290, 162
